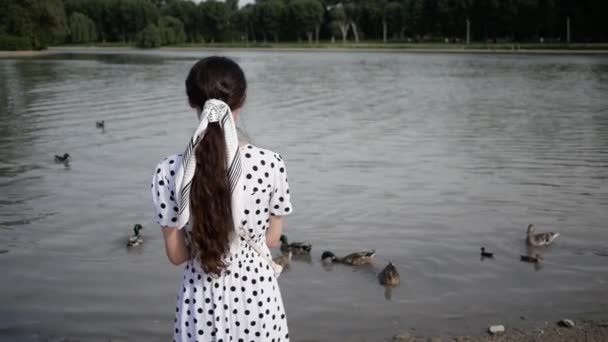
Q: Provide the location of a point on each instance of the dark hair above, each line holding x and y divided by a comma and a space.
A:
210, 197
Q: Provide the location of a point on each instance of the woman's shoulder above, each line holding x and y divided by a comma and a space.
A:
252, 151
167, 167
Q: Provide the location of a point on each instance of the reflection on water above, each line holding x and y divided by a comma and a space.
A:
424, 157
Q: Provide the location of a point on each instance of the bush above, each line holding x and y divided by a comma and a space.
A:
13, 43
82, 28
171, 31
149, 37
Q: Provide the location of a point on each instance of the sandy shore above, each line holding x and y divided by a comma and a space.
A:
583, 331
28, 53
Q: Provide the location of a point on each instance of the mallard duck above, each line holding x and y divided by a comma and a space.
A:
354, 259
389, 275
297, 248
540, 239
100, 124
136, 239
486, 254
284, 259
62, 159
529, 258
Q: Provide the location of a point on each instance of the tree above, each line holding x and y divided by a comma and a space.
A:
268, 17
340, 21
214, 17
188, 13
149, 37
243, 21
171, 31
307, 16
82, 28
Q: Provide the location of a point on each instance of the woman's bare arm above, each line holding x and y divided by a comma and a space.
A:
175, 245
275, 229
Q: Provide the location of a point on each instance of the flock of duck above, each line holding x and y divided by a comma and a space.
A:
389, 276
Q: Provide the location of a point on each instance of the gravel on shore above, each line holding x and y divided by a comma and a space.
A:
583, 331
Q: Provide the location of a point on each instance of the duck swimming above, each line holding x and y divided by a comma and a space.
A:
136, 239
100, 124
353, 259
539, 239
389, 275
297, 248
62, 159
533, 259
284, 259
486, 254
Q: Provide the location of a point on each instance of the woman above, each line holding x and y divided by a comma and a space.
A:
207, 196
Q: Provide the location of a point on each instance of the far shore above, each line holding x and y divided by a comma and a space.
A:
474, 48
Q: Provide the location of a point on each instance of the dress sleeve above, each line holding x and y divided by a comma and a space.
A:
163, 196
280, 199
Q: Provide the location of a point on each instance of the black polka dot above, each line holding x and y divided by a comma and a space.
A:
247, 155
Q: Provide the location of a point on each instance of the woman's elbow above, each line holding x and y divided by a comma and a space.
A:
272, 243
176, 259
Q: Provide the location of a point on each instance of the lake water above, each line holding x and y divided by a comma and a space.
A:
424, 157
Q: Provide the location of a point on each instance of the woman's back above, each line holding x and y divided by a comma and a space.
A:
205, 200
244, 302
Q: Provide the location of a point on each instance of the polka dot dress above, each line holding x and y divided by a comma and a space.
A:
244, 303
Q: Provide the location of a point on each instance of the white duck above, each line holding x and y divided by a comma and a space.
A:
540, 239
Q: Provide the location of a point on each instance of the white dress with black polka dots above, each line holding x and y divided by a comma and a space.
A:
244, 303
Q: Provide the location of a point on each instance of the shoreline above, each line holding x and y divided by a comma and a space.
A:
582, 331
25, 53
365, 48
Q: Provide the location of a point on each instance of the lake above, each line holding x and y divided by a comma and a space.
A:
423, 157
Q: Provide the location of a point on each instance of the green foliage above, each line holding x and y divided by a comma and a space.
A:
214, 16
44, 22
171, 31
307, 15
188, 13
268, 18
149, 37
82, 29
13, 43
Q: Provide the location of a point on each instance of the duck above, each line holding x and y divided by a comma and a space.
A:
62, 159
540, 239
485, 254
284, 259
136, 239
100, 124
529, 258
389, 275
297, 248
353, 259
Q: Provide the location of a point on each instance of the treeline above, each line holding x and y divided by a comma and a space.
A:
150, 23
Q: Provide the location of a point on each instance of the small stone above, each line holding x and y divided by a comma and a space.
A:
403, 337
566, 323
435, 339
497, 329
